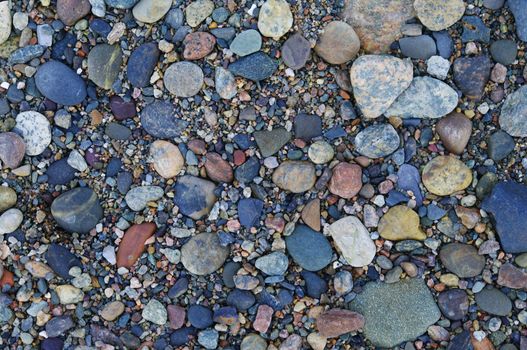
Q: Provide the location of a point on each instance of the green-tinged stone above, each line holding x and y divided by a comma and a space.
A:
400, 223
445, 175
104, 63
77, 210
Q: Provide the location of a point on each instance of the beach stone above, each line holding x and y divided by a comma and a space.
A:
436, 15
246, 43
155, 312
121, 109
197, 11
121, 4
12, 149
445, 175
61, 260
512, 277
311, 214
336, 322
273, 264
409, 304
295, 176
218, 169
7, 198
307, 127
176, 316
493, 4
69, 294
70, 11
104, 63
338, 43
507, 205
249, 211
295, 51
117, 131
198, 45
208, 338
419, 47
378, 24
225, 83
504, 51
308, 248
320, 152
453, 303
377, 82
400, 223
142, 63
454, 131
474, 30
275, 18
256, 66
513, 117
60, 172
111, 311
5, 21
159, 120
35, 129
151, 11
10, 220
167, 158
425, 98
462, 260
471, 75
26, 54
263, 318
77, 210
493, 301
377, 141
346, 180
253, 342
517, 7
183, 79
133, 243
138, 197
353, 241
438, 67
59, 325
194, 196
203, 255
500, 145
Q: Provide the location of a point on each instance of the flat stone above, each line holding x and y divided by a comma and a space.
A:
257, 66
296, 51
246, 43
425, 98
485, 185
346, 180
409, 304
225, 83
61, 260
142, 63
159, 120
273, 264
8, 198
517, 8
494, 301
453, 304
436, 15
471, 75
138, 197
307, 127
400, 223
183, 79
474, 30
249, 211
336, 322
462, 260
112, 310
198, 45
197, 11
203, 254
513, 117
5, 21
10, 220
167, 158
176, 316
133, 243
512, 277
194, 196
275, 18
454, 131
58, 326
445, 175
504, 51
70, 11
420, 47
77, 210
500, 145
104, 63
218, 169
12, 150
155, 312
308, 248
377, 141
295, 176
151, 11
353, 241
377, 82
121, 4
338, 43
117, 131
35, 129
321, 152
69, 294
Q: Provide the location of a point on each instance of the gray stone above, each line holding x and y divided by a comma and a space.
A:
421, 47
77, 210
203, 254
138, 197
225, 83
194, 196
183, 79
35, 129
517, 8
60, 83
197, 11
504, 51
474, 30
377, 141
155, 312
104, 63
159, 120
271, 141
494, 301
273, 264
246, 43
513, 117
257, 66
462, 259
500, 145
121, 4
308, 248
296, 51
5, 21
151, 11
26, 54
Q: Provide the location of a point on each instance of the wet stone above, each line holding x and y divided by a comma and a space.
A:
471, 75
275, 18
121, 4
70, 11
104, 63
194, 196
338, 43
183, 79
296, 51
494, 302
122, 109
203, 255
504, 51
117, 131
159, 120
241, 299
462, 260
132, 244
141, 64
12, 150
445, 175
500, 145
58, 326
77, 210
246, 43
61, 260
513, 117
138, 197
257, 66
377, 141
493, 4
308, 248
454, 131
421, 47
453, 303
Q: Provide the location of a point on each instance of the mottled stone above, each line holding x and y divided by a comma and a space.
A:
60, 83
70, 11
275, 18
377, 141
203, 254
400, 223
471, 75
246, 43
513, 117
454, 131
12, 150
138, 197
500, 145
142, 63
159, 120
5, 21
462, 260
474, 30
104, 63
517, 8
295, 51
35, 129
151, 11
26, 54
308, 248
218, 169
225, 83
512, 277
273, 264
8, 199
69, 294
58, 326
10, 220
346, 180
353, 241
183, 79
445, 175
263, 318
253, 342
167, 158
198, 45
133, 243
197, 11
77, 210
335, 322
453, 304
338, 43
257, 66
320, 152
439, 15
295, 176
194, 196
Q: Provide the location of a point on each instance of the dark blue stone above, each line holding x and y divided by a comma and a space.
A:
60, 83
58, 325
475, 30
309, 248
61, 47
199, 316
225, 314
26, 54
462, 341
100, 27
61, 260
114, 166
307, 126
285, 297
141, 64
226, 34
257, 66
434, 212
246, 172
182, 336
243, 141
315, 285
121, 4
60, 172
178, 288
335, 132
500, 145
241, 299
409, 180
124, 181
159, 120
249, 211
396, 197
52, 344
444, 43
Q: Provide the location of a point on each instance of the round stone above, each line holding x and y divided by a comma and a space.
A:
198, 45
104, 64
400, 223
338, 43
462, 259
453, 304
35, 129
308, 248
346, 180
296, 51
513, 117
138, 197
12, 150
377, 141
183, 79
159, 120
275, 18
246, 43
167, 158
7, 198
504, 51
320, 152
194, 196
218, 169
454, 131
77, 210
253, 342
439, 15
295, 176
353, 241
151, 11
61, 260
494, 301
112, 310
203, 254
197, 11
10, 220
445, 175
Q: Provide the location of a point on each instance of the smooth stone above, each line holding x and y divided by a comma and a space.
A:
198, 45
176, 316
377, 141
183, 79
59, 325
203, 254
12, 150
462, 260
253, 342
225, 83
155, 312
471, 75
439, 15
26, 54
133, 243
60, 172
246, 43
167, 158
454, 131
242, 300
512, 277
5, 21
10, 220
121, 4
400, 223
142, 63
275, 18
61, 260
69, 294
513, 117
517, 7
426, 98
112, 310
194, 196
35, 129
493, 4
70, 11
338, 43
346, 180
308, 248
420, 47
336, 322
378, 24
8, 198
182, 336
273, 264
218, 169
295, 51
295, 176
307, 127
117, 131
246, 172
151, 11
474, 30
52, 344
159, 120
77, 210
197, 11
409, 180
104, 63
249, 211
445, 175
504, 51
353, 241
453, 303
122, 109
377, 82
208, 338
257, 66
507, 204
138, 197
320, 152
315, 285
500, 145
175, 18
485, 185
493, 301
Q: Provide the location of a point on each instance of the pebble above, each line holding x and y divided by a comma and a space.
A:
10, 220
377, 141
59, 325
335, 322
151, 11
249, 211
315, 286
493, 301
183, 79
295, 176
263, 318
338, 43
346, 180
5, 21
70, 11
159, 120
104, 63
513, 115
253, 342
271, 141
308, 248
12, 150
462, 260
61, 260
77, 210
225, 83
438, 67
203, 254
208, 338
121, 4
517, 7
471, 75
292, 342
445, 175
138, 197
296, 51
194, 196
120, 108
8, 198
453, 303
117, 131
353, 241
198, 45
133, 243
112, 310
167, 158
197, 11
26, 54
437, 16
35, 129
246, 43
275, 18
257, 66
155, 312
493, 4
474, 30
504, 51
455, 131
400, 223
60, 84
320, 152
500, 145
69, 294
218, 169
141, 64
176, 316
419, 47
307, 127
76, 161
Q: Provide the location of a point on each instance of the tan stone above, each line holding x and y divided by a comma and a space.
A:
168, 160
275, 18
311, 214
295, 176
400, 223
112, 310
445, 175
439, 15
338, 43
335, 322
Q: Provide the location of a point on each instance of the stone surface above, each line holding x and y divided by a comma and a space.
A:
77, 210
296, 51
61, 260
138, 197
69, 294
10, 220
353, 241
7, 198
121, 4
440, 15
133, 243
35, 129
377, 82
60, 84
512, 277
5, 21
155, 312
295, 176
197, 11
257, 66
307, 126
462, 260
308, 248
203, 254
474, 30
218, 169
453, 303
159, 119
400, 223
183, 79
104, 63
513, 117
320, 152
198, 45
338, 43
112, 310
494, 301
194, 196
517, 8
141, 64
471, 75
454, 131
246, 43
12, 150
271, 141
346, 180
273, 264
500, 145
420, 47
438, 67
167, 158
335, 322
445, 175
151, 11
70, 11
225, 83
504, 51
275, 18
377, 141
249, 211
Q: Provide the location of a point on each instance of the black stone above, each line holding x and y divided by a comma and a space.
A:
60, 83
504, 51
61, 260
257, 66
471, 74
420, 47
159, 120
142, 63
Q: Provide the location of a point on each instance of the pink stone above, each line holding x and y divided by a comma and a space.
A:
263, 318
176, 316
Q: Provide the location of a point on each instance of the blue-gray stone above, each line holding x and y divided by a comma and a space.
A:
307, 127
77, 210
409, 180
500, 145
271, 141
249, 211
60, 83
199, 316
315, 285
519, 10
504, 51
220, 14
308, 248
121, 4
444, 43
494, 301
117, 131
246, 172
26, 54
421, 47
377, 141
58, 325
60, 172
159, 120
434, 212
182, 336
241, 299
61, 260
141, 64
175, 18
474, 30
52, 344
194, 196
257, 66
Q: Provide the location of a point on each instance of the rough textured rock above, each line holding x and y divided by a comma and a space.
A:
141, 64
400, 223
296, 51
35, 129
439, 15
183, 79
225, 83
295, 176
517, 8
197, 11
159, 120
133, 243
138, 197
275, 18
335, 322
198, 45
257, 66
513, 117
377, 141
77, 210
70, 11
462, 259
5, 21
471, 75
203, 254
338, 43
353, 240
454, 130
271, 141
445, 175
453, 303
346, 180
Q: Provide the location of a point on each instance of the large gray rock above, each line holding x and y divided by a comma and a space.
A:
203, 254
513, 118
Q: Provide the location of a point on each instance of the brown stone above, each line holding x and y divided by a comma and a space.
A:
512, 277
12, 150
198, 45
469, 216
295, 176
218, 169
483, 344
112, 310
197, 146
8, 279
176, 316
335, 322
70, 11
133, 243
346, 181
471, 75
462, 259
454, 130
338, 43
311, 214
